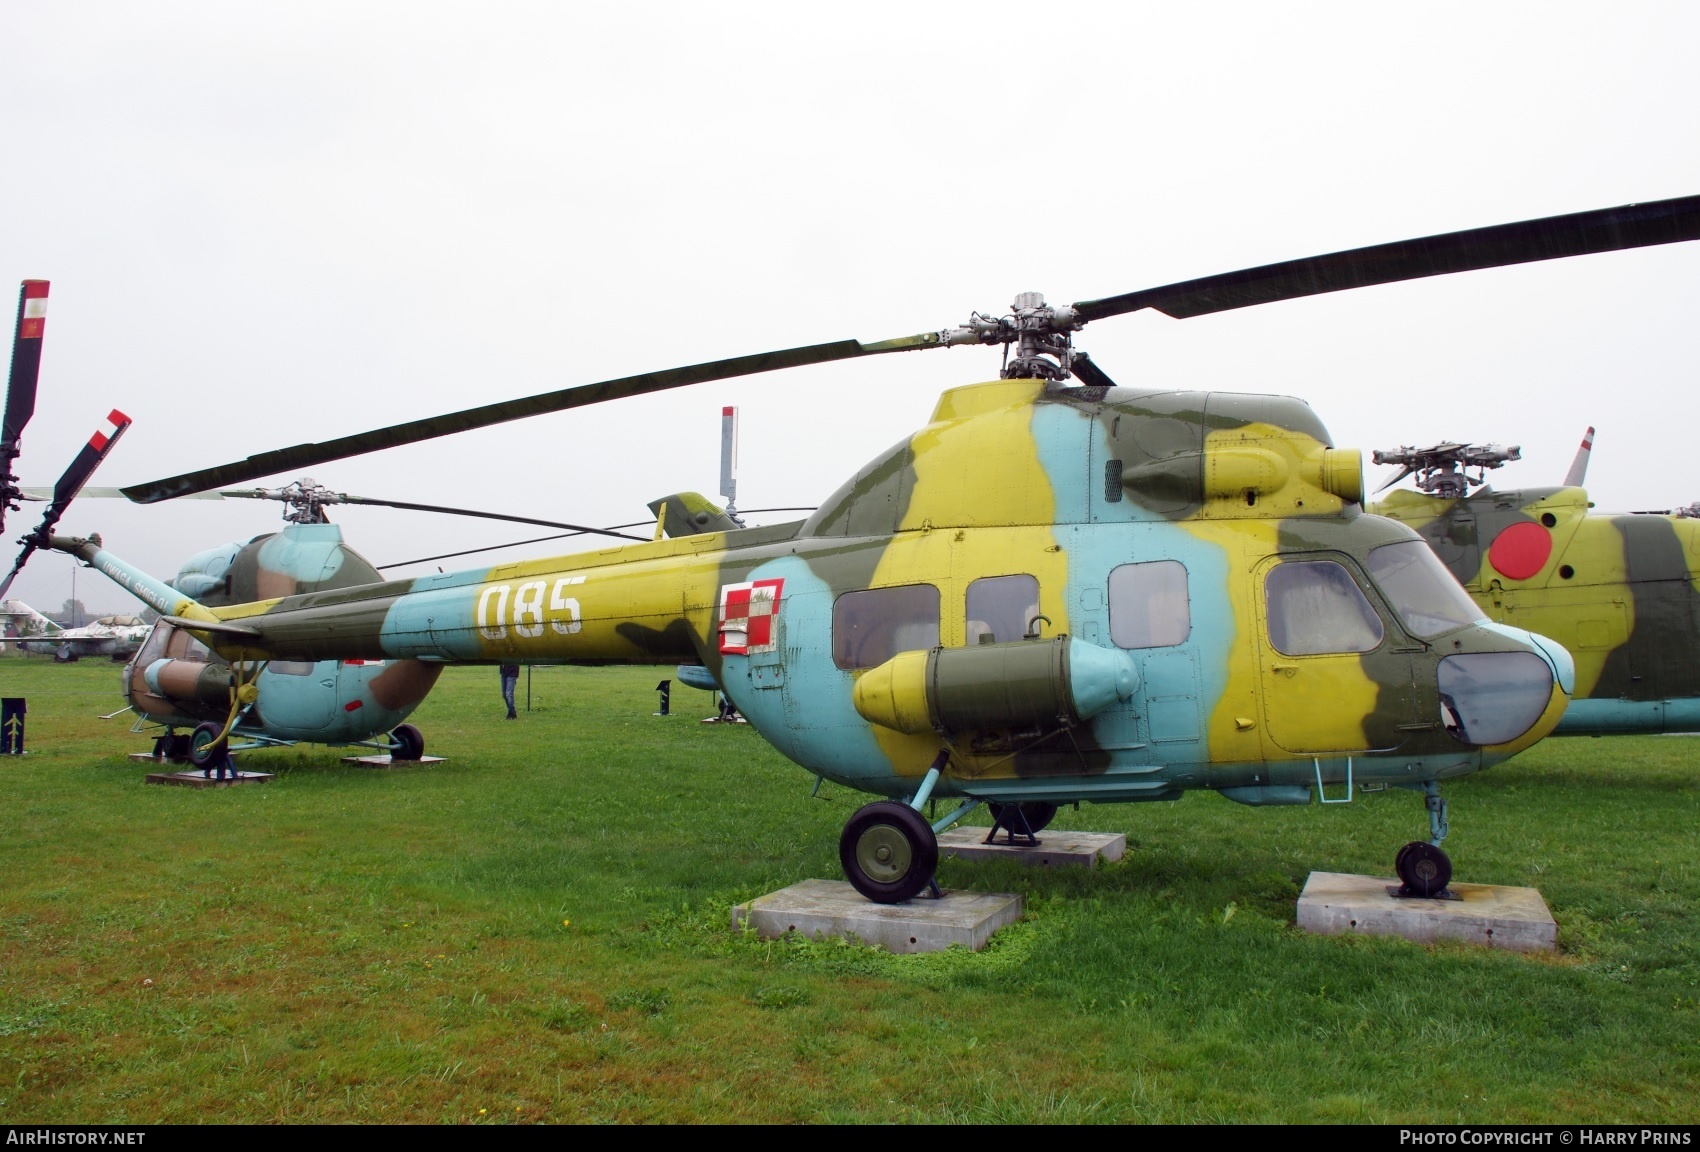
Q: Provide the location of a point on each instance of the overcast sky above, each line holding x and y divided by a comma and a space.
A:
273, 223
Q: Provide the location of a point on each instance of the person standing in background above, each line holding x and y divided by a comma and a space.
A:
510, 680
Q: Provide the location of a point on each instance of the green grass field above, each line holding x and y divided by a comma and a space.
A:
538, 930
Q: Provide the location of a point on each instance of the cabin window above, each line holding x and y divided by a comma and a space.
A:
154, 647
1149, 607
1423, 592
1315, 607
291, 667
869, 628
1000, 608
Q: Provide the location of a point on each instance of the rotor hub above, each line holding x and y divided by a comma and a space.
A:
1444, 469
1036, 336
303, 500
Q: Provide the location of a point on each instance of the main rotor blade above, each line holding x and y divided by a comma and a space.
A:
20, 385
1406, 471
303, 456
512, 544
1089, 373
1551, 238
100, 445
561, 536
344, 499
96, 492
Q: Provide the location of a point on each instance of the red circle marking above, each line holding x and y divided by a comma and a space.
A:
1521, 550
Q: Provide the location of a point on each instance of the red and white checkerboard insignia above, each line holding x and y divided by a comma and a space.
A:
747, 613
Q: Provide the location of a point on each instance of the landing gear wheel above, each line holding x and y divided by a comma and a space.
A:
1038, 814
406, 742
888, 851
1424, 869
205, 747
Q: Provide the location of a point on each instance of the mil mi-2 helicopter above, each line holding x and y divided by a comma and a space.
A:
173, 681
1621, 592
203, 708
1051, 593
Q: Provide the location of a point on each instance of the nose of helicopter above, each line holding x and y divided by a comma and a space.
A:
1508, 692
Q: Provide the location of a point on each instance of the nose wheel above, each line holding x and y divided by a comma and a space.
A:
1423, 869
888, 851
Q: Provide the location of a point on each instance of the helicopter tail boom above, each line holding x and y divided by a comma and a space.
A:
156, 594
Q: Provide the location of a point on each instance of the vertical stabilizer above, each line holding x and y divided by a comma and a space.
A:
27, 620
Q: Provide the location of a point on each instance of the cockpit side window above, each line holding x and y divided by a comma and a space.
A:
1000, 608
1149, 606
1423, 592
1315, 607
870, 627
154, 647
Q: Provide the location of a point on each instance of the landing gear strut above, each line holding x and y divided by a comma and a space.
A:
1423, 869
209, 750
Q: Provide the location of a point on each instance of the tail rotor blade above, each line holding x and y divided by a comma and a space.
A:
20, 387
82, 467
1579, 466
729, 459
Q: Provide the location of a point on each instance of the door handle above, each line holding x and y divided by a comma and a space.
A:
1291, 670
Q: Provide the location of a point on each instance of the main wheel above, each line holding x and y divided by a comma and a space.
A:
888, 851
205, 747
408, 743
1424, 869
1038, 813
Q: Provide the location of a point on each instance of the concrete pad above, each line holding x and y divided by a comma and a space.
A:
194, 779
386, 761
822, 908
1500, 917
1055, 849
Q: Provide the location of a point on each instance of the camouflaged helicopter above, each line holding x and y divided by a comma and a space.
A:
175, 684
1621, 592
1053, 592
184, 692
